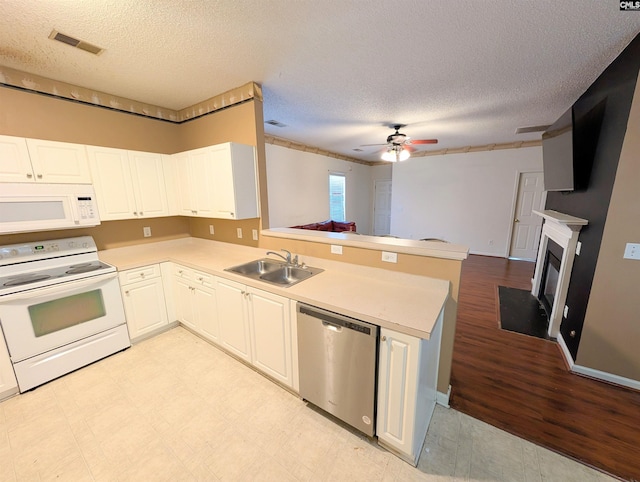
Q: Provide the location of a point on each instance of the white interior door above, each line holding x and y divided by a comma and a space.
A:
525, 234
382, 208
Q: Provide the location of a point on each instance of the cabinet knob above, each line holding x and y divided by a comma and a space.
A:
179, 271
39, 176
142, 275
383, 338
141, 213
572, 333
135, 213
194, 212
126, 292
200, 278
29, 175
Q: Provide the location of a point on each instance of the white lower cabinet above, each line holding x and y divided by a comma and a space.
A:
144, 301
196, 301
407, 377
8, 383
256, 326
270, 327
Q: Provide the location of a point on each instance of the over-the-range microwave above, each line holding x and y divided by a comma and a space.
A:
26, 207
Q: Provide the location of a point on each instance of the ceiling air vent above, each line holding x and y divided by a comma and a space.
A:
527, 130
74, 42
275, 123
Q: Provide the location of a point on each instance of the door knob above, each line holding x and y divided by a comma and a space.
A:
517, 220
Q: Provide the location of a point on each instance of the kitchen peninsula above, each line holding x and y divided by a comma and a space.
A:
409, 309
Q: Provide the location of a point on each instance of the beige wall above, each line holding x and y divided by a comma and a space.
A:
611, 332
433, 267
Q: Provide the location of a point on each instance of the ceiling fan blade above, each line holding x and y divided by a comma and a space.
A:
369, 145
424, 141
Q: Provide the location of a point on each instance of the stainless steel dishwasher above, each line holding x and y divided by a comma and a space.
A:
337, 358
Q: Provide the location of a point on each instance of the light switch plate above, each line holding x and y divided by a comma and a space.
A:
632, 251
239, 233
254, 234
211, 230
578, 248
146, 231
566, 311
336, 249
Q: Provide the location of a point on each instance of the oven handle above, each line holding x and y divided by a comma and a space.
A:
59, 288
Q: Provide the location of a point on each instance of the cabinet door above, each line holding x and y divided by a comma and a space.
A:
148, 184
201, 181
184, 299
15, 165
224, 198
270, 320
205, 308
8, 384
112, 181
59, 162
144, 307
397, 388
232, 317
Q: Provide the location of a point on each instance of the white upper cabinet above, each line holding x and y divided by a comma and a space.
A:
218, 182
128, 184
35, 160
15, 165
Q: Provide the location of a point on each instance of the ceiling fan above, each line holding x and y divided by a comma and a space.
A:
399, 145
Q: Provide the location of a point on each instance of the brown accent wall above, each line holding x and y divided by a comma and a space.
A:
611, 329
445, 269
225, 230
114, 234
38, 116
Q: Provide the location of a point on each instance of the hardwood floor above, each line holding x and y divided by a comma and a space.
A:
521, 384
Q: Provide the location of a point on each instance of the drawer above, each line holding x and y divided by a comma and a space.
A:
139, 274
182, 272
203, 279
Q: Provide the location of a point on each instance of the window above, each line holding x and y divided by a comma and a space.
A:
337, 183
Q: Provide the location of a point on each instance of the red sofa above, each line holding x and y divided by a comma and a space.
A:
333, 226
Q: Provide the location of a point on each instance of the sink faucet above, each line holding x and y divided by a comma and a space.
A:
287, 258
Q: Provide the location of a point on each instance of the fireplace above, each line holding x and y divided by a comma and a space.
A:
550, 277
556, 252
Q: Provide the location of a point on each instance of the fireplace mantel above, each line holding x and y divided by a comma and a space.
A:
561, 218
563, 229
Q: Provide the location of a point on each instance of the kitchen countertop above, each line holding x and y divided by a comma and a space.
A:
402, 302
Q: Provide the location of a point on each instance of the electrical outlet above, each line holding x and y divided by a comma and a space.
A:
254, 234
578, 248
566, 311
336, 249
389, 257
239, 233
632, 251
146, 231
211, 230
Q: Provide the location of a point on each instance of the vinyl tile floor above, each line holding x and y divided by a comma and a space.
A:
176, 408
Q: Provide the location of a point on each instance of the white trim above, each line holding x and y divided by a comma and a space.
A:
607, 377
443, 398
564, 230
592, 372
565, 351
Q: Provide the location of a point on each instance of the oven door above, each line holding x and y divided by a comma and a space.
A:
43, 319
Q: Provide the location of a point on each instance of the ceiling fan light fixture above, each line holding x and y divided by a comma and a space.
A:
395, 153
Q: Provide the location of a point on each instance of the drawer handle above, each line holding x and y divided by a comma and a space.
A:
200, 278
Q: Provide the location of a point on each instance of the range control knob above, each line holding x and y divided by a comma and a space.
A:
13, 252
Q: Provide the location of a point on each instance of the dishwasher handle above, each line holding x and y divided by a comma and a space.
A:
337, 322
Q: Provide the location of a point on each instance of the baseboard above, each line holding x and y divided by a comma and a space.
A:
565, 352
443, 398
606, 377
592, 372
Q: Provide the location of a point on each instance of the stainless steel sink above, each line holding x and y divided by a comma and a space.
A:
275, 272
257, 267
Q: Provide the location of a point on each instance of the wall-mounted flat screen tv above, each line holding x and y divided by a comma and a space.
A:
569, 147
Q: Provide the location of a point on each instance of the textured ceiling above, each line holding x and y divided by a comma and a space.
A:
335, 71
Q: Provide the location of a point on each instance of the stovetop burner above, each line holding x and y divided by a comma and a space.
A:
83, 268
23, 280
